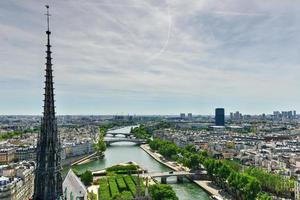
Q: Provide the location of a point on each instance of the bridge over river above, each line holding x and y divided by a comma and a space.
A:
120, 131
109, 141
114, 134
164, 175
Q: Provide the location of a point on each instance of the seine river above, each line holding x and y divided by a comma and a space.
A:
124, 152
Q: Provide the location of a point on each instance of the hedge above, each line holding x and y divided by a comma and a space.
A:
130, 184
121, 183
135, 180
113, 186
104, 193
126, 195
122, 168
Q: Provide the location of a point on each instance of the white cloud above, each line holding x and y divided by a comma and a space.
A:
155, 51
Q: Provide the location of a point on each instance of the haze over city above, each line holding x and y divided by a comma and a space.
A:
152, 57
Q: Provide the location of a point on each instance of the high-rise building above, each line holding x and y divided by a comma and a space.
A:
190, 116
276, 115
237, 115
231, 116
48, 181
220, 117
182, 115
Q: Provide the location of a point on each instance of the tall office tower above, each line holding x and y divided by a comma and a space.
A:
48, 181
182, 115
231, 116
220, 117
276, 114
290, 114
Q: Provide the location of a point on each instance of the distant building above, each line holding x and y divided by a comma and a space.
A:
18, 183
73, 188
284, 115
190, 116
25, 153
7, 155
231, 116
236, 116
73, 149
220, 117
182, 115
276, 115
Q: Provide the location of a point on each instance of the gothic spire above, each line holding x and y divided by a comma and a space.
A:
48, 182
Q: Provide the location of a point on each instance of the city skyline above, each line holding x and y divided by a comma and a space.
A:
152, 57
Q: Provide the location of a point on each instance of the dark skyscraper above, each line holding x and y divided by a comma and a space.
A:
220, 117
48, 181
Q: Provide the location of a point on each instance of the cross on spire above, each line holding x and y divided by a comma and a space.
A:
48, 16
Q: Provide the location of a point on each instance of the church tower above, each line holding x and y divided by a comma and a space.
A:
48, 181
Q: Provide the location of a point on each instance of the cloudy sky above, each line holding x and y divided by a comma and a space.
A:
152, 56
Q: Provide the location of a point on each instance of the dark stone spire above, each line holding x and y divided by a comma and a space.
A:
48, 181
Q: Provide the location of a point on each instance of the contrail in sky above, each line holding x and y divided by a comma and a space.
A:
132, 35
166, 43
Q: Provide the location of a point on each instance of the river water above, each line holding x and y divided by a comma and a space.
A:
125, 152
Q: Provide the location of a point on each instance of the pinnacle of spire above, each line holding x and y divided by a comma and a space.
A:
48, 17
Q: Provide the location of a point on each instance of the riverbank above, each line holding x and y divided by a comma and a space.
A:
208, 186
84, 160
70, 161
159, 158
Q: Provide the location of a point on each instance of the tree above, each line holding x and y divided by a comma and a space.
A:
168, 150
162, 192
230, 145
100, 146
223, 173
204, 153
263, 196
155, 144
193, 162
252, 188
140, 132
103, 131
87, 177
191, 148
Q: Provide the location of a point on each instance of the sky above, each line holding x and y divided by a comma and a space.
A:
152, 56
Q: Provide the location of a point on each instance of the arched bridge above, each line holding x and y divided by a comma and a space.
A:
109, 141
165, 175
116, 133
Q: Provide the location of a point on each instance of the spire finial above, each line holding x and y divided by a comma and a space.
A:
48, 16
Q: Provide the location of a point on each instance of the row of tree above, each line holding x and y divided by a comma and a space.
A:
100, 145
9, 135
251, 183
140, 132
162, 192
